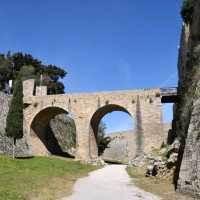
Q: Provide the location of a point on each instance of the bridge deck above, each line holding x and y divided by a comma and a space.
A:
169, 95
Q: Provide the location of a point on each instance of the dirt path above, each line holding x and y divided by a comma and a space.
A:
109, 183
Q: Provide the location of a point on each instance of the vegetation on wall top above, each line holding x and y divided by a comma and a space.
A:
26, 66
187, 11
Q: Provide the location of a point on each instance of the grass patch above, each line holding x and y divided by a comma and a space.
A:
39, 178
160, 187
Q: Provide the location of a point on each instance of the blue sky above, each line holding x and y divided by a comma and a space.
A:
104, 45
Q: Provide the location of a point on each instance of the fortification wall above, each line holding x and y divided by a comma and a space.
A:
187, 112
22, 146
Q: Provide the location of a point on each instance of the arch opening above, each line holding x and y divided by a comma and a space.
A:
50, 131
124, 139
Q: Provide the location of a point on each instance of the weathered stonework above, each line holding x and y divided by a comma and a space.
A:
187, 176
41, 90
28, 87
122, 147
183, 54
88, 109
22, 145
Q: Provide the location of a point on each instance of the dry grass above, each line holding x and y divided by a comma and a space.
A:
160, 187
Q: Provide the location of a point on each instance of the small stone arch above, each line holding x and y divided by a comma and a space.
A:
94, 124
43, 144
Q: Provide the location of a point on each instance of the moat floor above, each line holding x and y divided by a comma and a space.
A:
109, 183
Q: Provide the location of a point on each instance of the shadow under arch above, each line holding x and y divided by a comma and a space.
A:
40, 129
94, 125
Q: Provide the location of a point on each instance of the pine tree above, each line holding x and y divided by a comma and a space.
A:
14, 123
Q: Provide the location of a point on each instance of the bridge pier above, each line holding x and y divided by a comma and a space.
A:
87, 149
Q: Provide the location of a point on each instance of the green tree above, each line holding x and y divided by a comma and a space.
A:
5, 71
102, 140
11, 65
14, 122
187, 11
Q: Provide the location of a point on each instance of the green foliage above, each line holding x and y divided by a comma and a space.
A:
5, 71
14, 123
27, 72
55, 88
102, 140
26, 66
187, 11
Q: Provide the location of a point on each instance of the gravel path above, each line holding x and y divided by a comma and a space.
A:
109, 183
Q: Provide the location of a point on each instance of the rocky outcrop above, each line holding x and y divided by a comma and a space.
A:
163, 165
187, 110
63, 128
189, 177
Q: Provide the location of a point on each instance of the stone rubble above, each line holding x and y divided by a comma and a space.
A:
163, 166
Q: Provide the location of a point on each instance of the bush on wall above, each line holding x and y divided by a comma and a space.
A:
187, 11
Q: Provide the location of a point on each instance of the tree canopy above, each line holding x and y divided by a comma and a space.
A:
187, 11
26, 66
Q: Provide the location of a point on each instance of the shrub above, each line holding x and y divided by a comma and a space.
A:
102, 140
187, 11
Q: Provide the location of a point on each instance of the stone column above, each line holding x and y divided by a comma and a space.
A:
82, 137
93, 148
139, 129
28, 87
150, 125
41, 90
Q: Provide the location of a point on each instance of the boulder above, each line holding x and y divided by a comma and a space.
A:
138, 161
64, 130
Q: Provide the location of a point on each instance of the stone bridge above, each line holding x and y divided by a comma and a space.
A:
87, 110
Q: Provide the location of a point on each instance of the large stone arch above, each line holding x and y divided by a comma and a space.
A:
94, 124
43, 144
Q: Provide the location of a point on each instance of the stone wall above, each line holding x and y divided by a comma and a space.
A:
187, 112
183, 54
5, 143
122, 147
22, 145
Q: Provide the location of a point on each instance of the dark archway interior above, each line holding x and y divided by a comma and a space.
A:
40, 126
101, 112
